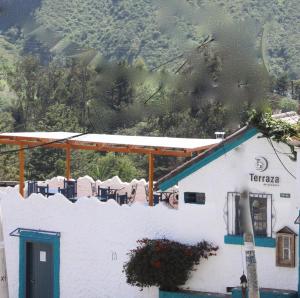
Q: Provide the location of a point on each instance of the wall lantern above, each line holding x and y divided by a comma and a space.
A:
244, 281
244, 284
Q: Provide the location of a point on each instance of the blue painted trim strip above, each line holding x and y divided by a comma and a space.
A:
26, 236
211, 157
267, 293
185, 294
259, 241
236, 293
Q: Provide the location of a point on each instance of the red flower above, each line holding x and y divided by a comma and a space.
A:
156, 264
188, 252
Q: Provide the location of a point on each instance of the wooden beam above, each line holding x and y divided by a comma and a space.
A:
21, 170
137, 150
77, 145
33, 144
151, 178
68, 162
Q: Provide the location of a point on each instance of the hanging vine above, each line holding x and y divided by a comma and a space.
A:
275, 129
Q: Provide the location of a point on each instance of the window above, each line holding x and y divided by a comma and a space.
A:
194, 198
285, 248
260, 208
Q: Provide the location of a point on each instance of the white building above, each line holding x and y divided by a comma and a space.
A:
214, 180
86, 243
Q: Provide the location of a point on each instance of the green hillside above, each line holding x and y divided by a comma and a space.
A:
207, 88
8, 56
152, 30
129, 29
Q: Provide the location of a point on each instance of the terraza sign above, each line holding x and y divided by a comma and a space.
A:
264, 179
261, 165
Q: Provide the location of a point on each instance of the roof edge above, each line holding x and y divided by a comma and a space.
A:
206, 157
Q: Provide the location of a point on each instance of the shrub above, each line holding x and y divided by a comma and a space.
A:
164, 263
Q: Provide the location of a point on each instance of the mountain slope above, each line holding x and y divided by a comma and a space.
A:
156, 30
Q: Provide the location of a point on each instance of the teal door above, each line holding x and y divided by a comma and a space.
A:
39, 270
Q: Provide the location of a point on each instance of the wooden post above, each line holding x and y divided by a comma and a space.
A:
151, 174
68, 162
21, 170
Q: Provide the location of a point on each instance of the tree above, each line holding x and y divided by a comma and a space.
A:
9, 161
111, 164
24, 81
281, 85
46, 163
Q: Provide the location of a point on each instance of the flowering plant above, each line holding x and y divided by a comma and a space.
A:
164, 263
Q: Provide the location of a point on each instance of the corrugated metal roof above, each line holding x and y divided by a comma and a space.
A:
140, 141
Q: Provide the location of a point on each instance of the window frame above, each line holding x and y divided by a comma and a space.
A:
280, 249
231, 211
201, 200
288, 248
254, 213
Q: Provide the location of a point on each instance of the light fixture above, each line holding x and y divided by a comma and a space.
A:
244, 281
244, 284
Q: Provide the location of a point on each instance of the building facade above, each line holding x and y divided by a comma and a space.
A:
244, 163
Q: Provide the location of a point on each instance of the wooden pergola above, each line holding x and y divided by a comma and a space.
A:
151, 146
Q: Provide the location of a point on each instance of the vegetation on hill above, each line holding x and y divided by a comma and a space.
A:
73, 87
157, 30
8, 56
152, 30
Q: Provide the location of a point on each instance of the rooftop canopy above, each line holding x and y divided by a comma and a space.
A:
104, 142
101, 142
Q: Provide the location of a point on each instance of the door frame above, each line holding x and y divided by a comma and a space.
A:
37, 236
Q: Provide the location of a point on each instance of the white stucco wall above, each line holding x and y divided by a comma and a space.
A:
92, 234
230, 173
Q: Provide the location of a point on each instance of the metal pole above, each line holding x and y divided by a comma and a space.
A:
68, 162
151, 174
253, 289
21, 170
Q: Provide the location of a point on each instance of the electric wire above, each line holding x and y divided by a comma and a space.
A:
167, 62
284, 166
41, 145
242, 257
206, 41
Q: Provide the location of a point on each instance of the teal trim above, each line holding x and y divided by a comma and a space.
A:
267, 293
211, 157
187, 294
26, 236
259, 241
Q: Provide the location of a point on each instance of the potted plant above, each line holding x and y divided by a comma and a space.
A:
164, 263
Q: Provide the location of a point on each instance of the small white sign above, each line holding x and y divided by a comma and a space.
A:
43, 256
297, 220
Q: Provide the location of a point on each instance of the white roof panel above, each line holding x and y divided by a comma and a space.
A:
289, 117
141, 141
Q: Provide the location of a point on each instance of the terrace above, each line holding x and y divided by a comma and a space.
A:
150, 146
111, 189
